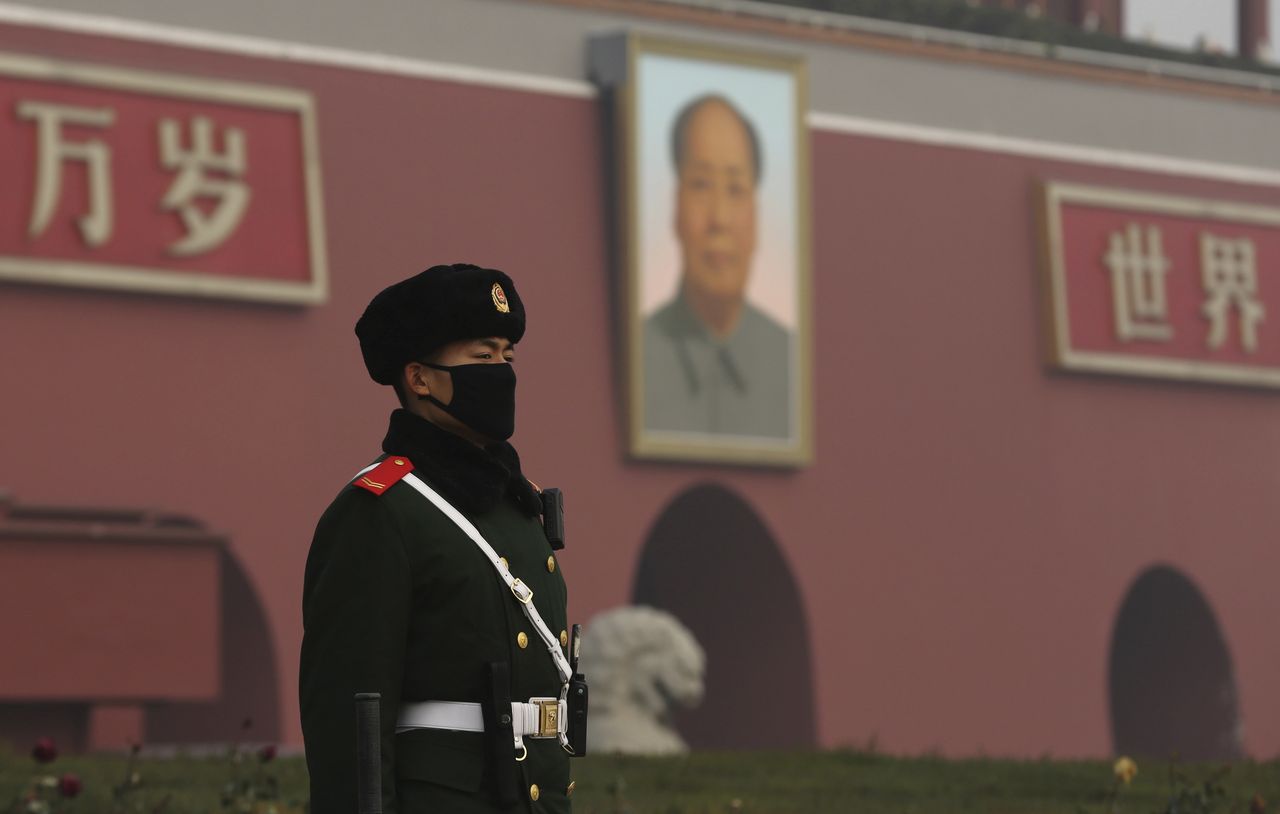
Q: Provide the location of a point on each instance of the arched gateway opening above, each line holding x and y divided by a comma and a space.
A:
1172, 685
710, 561
248, 678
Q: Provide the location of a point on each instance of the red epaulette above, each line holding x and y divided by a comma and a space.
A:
383, 476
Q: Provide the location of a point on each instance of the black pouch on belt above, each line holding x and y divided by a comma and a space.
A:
576, 726
499, 737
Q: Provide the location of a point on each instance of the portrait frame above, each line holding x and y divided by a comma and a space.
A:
769, 90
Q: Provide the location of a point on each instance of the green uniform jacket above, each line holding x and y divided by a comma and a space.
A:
398, 601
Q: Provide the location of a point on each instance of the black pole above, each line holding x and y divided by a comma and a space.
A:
369, 752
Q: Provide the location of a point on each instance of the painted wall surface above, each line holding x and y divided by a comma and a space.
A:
160, 640
962, 542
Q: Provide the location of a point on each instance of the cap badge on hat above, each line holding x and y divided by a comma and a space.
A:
500, 299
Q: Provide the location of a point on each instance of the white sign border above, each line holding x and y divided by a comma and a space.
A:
314, 291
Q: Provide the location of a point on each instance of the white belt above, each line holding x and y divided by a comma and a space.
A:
538, 718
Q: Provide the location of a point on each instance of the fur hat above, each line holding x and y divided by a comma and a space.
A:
408, 320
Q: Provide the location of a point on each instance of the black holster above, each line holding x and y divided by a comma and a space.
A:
499, 737
576, 727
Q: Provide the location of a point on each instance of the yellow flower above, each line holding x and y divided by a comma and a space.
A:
1125, 769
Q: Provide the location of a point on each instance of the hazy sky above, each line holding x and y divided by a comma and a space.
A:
1179, 22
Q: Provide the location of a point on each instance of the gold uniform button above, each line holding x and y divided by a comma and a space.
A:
551, 564
399, 461
503, 560
564, 638
533, 792
569, 791
522, 640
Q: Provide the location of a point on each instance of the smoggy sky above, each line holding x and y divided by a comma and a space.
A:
1180, 22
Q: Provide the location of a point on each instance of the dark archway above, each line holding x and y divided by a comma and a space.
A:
1172, 687
249, 681
710, 561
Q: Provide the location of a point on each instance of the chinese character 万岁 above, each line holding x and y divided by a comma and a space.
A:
52, 150
230, 196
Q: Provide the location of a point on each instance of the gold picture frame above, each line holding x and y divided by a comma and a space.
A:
736, 390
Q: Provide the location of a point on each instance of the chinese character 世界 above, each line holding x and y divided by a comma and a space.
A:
52, 150
1137, 284
1228, 269
229, 196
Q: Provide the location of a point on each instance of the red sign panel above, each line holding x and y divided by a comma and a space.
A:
122, 179
1158, 285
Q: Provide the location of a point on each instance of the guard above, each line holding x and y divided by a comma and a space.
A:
433, 581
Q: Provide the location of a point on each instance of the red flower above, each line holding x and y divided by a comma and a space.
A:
69, 785
44, 751
267, 753
1257, 805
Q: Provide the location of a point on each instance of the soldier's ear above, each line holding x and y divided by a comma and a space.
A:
415, 380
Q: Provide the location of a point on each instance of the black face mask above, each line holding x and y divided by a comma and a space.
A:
484, 398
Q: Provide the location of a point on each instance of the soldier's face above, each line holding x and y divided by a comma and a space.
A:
421, 380
716, 204
493, 350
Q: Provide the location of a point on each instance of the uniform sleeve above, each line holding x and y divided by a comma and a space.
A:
355, 615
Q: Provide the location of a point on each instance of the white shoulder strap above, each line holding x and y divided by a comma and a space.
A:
521, 591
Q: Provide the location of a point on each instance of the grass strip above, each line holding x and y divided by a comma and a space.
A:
701, 783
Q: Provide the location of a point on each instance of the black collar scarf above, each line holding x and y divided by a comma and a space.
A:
473, 479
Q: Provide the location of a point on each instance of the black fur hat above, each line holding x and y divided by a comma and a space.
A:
408, 320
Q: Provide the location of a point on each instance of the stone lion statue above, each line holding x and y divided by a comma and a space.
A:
640, 664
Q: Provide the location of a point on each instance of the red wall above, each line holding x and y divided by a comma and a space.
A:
962, 541
155, 602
